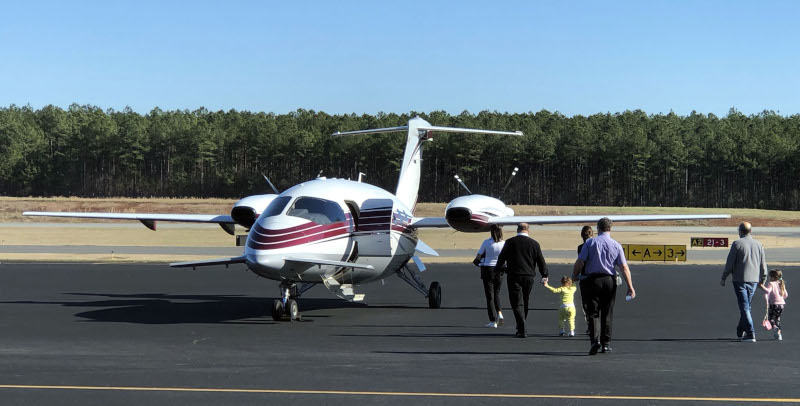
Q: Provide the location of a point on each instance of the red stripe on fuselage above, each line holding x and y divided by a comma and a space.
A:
259, 237
298, 241
264, 231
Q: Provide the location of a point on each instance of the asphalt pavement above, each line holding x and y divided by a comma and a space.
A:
693, 254
77, 334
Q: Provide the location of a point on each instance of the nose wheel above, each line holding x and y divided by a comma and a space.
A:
277, 310
287, 308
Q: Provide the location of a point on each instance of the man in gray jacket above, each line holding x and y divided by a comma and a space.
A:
748, 264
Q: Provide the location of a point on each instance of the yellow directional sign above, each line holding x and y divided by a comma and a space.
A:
675, 253
639, 252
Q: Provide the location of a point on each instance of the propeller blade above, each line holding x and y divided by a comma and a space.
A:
513, 173
274, 189
462, 184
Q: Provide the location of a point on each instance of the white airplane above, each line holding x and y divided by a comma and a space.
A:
344, 233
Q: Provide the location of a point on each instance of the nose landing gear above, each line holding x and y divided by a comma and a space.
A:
287, 307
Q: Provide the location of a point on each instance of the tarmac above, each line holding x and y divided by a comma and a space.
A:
77, 334
784, 255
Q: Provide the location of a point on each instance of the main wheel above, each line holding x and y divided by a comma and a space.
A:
435, 295
292, 310
277, 310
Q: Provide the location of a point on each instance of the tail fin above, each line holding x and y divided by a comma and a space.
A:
410, 172
419, 131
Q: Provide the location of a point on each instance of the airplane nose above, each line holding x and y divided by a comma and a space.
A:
271, 262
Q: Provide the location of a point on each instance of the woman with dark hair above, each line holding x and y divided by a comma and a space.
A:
492, 279
586, 233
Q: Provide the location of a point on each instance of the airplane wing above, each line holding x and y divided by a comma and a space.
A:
441, 222
208, 262
314, 261
593, 218
148, 219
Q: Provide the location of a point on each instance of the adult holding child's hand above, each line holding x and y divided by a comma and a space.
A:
747, 263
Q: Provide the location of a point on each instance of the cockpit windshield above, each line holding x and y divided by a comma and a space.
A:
317, 210
276, 206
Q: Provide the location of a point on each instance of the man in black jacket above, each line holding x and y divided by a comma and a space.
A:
521, 255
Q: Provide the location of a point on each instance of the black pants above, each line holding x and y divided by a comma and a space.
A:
774, 315
492, 282
598, 294
519, 292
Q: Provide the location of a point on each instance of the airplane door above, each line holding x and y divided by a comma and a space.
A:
374, 227
354, 215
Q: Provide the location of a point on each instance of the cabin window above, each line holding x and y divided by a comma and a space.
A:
317, 210
276, 206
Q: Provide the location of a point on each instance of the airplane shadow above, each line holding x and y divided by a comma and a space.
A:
163, 308
160, 308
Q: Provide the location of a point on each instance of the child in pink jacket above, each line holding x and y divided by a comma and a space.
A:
775, 294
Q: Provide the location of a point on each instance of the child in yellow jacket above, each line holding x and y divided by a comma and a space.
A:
566, 312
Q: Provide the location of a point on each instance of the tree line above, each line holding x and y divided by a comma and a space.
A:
621, 159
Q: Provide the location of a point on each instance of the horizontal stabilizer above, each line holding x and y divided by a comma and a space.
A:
427, 128
315, 261
593, 218
467, 130
425, 249
209, 262
373, 131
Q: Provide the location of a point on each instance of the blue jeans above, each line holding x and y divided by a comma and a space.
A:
744, 295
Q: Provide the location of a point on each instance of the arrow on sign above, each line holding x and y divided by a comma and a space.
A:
681, 252
658, 253
636, 252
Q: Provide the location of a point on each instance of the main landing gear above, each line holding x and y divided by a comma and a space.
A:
287, 307
433, 293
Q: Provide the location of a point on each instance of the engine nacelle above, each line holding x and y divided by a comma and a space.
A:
470, 214
245, 212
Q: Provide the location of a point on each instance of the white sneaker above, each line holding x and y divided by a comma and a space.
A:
572, 333
492, 324
500, 320
778, 336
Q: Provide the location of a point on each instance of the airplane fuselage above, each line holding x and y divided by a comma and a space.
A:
331, 219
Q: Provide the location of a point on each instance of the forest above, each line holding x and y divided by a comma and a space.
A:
629, 158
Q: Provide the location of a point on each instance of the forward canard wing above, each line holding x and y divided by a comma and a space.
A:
313, 261
209, 262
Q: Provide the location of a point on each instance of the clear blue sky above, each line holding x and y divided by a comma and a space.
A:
365, 57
